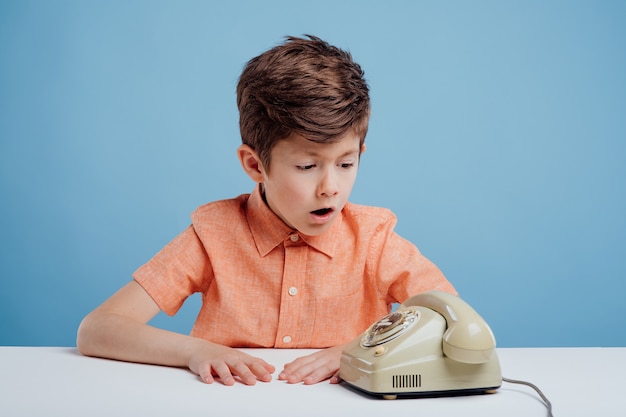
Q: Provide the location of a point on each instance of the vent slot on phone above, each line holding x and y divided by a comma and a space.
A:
407, 381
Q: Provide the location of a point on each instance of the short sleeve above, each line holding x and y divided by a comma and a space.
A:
401, 269
180, 269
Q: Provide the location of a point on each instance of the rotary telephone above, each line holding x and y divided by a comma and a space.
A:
433, 344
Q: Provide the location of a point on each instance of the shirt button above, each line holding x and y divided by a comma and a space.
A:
293, 291
287, 339
294, 238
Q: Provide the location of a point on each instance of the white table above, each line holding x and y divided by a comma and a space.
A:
51, 381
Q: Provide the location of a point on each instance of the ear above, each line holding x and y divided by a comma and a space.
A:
362, 149
251, 163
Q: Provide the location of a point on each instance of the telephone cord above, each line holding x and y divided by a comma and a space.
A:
536, 388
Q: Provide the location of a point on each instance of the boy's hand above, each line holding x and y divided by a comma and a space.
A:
314, 368
215, 361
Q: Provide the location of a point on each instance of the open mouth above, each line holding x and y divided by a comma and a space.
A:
322, 212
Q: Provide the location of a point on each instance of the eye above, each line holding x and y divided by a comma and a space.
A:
305, 167
347, 165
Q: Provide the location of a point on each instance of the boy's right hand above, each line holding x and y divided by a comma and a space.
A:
118, 329
211, 361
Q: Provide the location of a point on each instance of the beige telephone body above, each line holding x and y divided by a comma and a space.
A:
432, 344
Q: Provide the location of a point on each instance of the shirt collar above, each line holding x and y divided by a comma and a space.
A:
269, 231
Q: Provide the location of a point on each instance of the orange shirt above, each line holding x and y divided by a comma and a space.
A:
265, 285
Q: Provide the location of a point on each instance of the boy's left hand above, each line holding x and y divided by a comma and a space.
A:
314, 368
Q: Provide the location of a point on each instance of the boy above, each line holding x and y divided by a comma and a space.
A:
291, 265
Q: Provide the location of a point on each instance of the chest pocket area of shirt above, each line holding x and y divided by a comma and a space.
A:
332, 283
338, 301
337, 319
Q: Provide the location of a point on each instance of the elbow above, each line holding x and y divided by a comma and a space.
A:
85, 336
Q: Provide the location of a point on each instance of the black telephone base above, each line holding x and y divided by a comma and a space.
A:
422, 394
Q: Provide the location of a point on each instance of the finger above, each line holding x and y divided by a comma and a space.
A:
319, 374
301, 361
263, 371
296, 370
313, 368
223, 373
268, 367
205, 375
294, 375
257, 363
335, 379
241, 370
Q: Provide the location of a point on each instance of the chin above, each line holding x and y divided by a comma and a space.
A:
315, 230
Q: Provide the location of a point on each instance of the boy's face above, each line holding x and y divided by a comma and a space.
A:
309, 183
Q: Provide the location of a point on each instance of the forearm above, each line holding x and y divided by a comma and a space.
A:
118, 330
109, 335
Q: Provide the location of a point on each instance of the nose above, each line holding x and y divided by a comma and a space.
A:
328, 185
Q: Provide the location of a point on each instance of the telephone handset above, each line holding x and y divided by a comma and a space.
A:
468, 338
432, 344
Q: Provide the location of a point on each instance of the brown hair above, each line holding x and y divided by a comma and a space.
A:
303, 86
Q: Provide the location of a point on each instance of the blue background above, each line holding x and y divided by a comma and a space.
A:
498, 138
